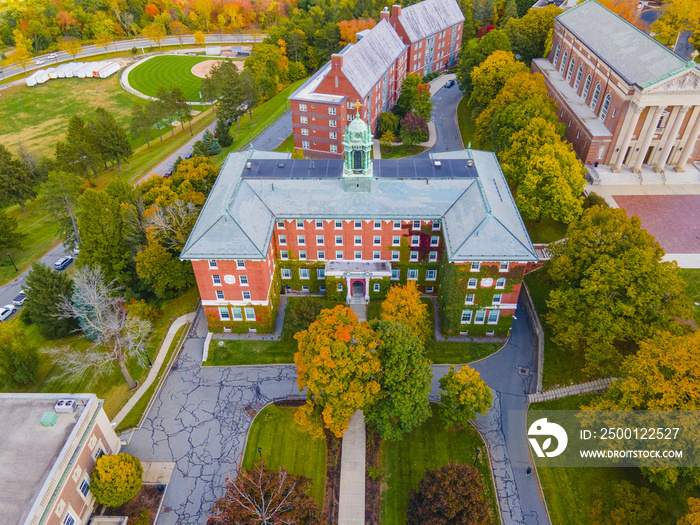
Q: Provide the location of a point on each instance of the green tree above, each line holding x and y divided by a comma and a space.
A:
223, 135
79, 152
489, 77
19, 358
16, 182
162, 270
404, 104
450, 495
611, 269
625, 504
528, 35
211, 144
422, 106
116, 479
9, 236
473, 56
337, 362
464, 396
44, 289
301, 312
61, 192
404, 381
268, 66
112, 141
388, 122
141, 121
224, 85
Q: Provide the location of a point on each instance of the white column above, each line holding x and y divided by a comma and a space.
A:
689, 145
349, 290
628, 131
670, 140
650, 125
367, 288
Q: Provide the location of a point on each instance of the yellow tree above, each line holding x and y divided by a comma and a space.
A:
464, 396
404, 306
22, 54
338, 363
693, 516
104, 39
198, 38
179, 30
491, 76
154, 32
70, 45
677, 16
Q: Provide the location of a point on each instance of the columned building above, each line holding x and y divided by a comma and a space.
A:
627, 100
352, 228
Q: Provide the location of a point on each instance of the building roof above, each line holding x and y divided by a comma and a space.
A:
633, 54
30, 452
426, 18
478, 213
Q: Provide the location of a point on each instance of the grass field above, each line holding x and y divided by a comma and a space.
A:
692, 277
429, 446
284, 443
166, 71
287, 145
397, 152
571, 492
466, 124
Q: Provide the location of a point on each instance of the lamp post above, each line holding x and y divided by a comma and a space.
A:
476, 458
13, 262
260, 452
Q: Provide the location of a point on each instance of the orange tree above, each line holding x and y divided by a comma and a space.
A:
403, 305
337, 361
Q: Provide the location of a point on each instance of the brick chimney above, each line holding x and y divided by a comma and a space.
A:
336, 61
384, 15
395, 11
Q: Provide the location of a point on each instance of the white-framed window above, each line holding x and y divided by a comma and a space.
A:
436, 225
376, 255
606, 106
331, 111
321, 255
237, 313
430, 275
414, 255
302, 107
563, 63
333, 135
303, 273
339, 254
497, 298
415, 240
220, 294
339, 287
432, 257
358, 240
304, 131
395, 255
416, 225
240, 264
357, 225
577, 83
320, 239
570, 70
429, 289
319, 224
84, 487
377, 287
246, 295
412, 275
300, 224
304, 119
338, 225
377, 225
397, 225
244, 280
396, 240
504, 267
500, 283
434, 240
302, 255
596, 94
322, 288
480, 316
305, 144
284, 254
556, 55
320, 273
304, 288
586, 87
280, 223
476, 266
338, 240
213, 263
493, 316
216, 279
224, 314
350, 117
249, 313
377, 240
301, 239
282, 239
395, 274
332, 123
471, 283
469, 298
286, 273
69, 519
466, 316
358, 254
351, 105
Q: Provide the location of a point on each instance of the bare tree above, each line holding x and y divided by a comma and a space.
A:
173, 223
103, 318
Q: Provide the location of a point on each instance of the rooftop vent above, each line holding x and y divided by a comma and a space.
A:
437, 163
470, 163
48, 419
64, 406
280, 165
248, 165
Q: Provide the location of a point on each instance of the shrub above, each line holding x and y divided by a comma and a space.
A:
414, 129
388, 122
301, 312
593, 199
116, 479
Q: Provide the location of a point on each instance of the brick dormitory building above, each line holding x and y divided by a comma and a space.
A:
353, 227
627, 100
423, 38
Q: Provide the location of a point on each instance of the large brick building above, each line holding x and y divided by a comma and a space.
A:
352, 228
626, 100
423, 38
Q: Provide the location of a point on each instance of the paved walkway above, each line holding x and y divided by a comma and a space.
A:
360, 310
153, 372
572, 390
351, 506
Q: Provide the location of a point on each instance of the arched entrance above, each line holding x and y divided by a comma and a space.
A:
358, 288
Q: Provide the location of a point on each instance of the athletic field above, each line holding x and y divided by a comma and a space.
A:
167, 71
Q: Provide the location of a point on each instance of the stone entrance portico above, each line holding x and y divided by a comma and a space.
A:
358, 272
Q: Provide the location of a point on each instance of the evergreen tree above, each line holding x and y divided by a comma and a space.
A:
79, 152
9, 236
211, 144
16, 183
61, 192
141, 121
45, 288
222, 133
112, 140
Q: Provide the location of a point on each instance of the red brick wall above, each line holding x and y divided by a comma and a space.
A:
258, 273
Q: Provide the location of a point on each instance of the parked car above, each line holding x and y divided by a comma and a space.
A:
63, 262
19, 300
168, 173
188, 156
449, 83
6, 311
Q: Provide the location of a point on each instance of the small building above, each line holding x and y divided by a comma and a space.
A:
352, 228
423, 38
626, 100
49, 447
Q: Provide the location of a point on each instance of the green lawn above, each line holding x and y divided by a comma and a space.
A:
287, 145
466, 126
167, 71
545, 231
429, 446
692, 277
571, 492
397, 152
133, 418
284, 443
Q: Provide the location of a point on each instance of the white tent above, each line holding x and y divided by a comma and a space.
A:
109, 69
52, 72
42, 76
31, 80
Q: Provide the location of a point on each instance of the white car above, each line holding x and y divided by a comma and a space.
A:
6, 311
52, 55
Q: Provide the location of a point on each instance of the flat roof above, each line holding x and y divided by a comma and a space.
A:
29, 450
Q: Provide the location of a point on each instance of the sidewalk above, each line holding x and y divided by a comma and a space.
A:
572, 390
153, 372
351, 507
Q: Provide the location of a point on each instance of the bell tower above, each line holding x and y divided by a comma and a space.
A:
358, 149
